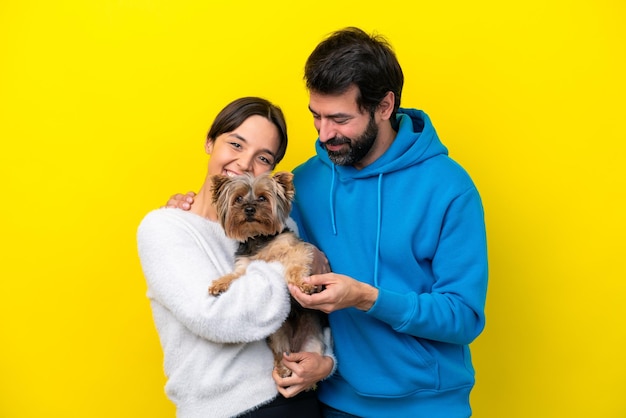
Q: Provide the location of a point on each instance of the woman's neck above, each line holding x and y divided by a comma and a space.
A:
203, 203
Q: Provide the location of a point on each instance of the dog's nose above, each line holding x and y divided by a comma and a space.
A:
250, 210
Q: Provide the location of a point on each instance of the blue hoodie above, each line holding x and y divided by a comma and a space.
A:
412, 225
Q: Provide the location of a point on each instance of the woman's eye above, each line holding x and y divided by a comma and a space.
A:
265, 160
235, 144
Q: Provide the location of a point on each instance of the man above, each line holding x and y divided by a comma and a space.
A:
402, 226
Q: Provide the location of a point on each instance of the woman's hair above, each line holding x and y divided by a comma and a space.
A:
352, 57
236, 112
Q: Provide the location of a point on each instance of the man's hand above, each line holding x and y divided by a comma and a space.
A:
181, 201
338, 292
307, 369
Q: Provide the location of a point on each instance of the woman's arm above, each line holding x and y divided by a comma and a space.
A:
180, 262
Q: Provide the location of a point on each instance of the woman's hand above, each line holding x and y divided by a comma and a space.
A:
181, 201
307, 369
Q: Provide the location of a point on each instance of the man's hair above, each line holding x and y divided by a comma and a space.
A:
350, 57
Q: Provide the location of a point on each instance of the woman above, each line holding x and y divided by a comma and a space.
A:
216, 359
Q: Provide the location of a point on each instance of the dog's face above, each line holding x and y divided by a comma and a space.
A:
249, 206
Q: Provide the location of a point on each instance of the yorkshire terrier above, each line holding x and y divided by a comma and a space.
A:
253, 211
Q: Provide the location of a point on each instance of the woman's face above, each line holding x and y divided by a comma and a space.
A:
250, 148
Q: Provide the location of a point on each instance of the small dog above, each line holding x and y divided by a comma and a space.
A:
253, 211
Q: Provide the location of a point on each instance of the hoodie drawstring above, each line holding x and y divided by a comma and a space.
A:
379, 208
378, 228
332, 201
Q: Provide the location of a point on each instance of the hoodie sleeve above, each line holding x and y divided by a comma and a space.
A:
453, 311
179, 264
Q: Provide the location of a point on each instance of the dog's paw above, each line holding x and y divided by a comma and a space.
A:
307, 288
217, 288
283, 371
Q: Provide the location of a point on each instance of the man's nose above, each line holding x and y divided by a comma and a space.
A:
326, 130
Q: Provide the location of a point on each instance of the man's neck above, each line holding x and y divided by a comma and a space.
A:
385, 138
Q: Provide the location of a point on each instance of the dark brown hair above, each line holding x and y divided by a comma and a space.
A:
237, 111
349, 57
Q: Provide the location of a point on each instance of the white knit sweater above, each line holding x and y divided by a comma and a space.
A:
215, 356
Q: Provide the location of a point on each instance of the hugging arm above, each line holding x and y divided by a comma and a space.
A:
179, 268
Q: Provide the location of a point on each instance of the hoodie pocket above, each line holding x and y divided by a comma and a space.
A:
384, 363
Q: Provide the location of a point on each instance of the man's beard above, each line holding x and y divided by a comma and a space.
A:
357, 148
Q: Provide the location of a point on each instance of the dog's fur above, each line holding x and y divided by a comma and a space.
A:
253, 211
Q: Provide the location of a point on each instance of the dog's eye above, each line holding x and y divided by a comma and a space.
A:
262, 199
238, 199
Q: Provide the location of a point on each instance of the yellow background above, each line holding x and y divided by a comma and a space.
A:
103, 110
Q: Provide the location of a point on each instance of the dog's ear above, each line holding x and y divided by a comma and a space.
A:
285, 180
217, 185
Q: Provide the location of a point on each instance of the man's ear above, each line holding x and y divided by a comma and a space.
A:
385, 107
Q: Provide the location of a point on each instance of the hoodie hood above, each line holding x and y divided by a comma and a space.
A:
416, 141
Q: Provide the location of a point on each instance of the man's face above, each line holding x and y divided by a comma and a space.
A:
345, 132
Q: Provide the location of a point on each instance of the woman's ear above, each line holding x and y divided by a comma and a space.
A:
208, 146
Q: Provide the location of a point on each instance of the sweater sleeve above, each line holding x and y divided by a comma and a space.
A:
329, 350
453, 311
180, 262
